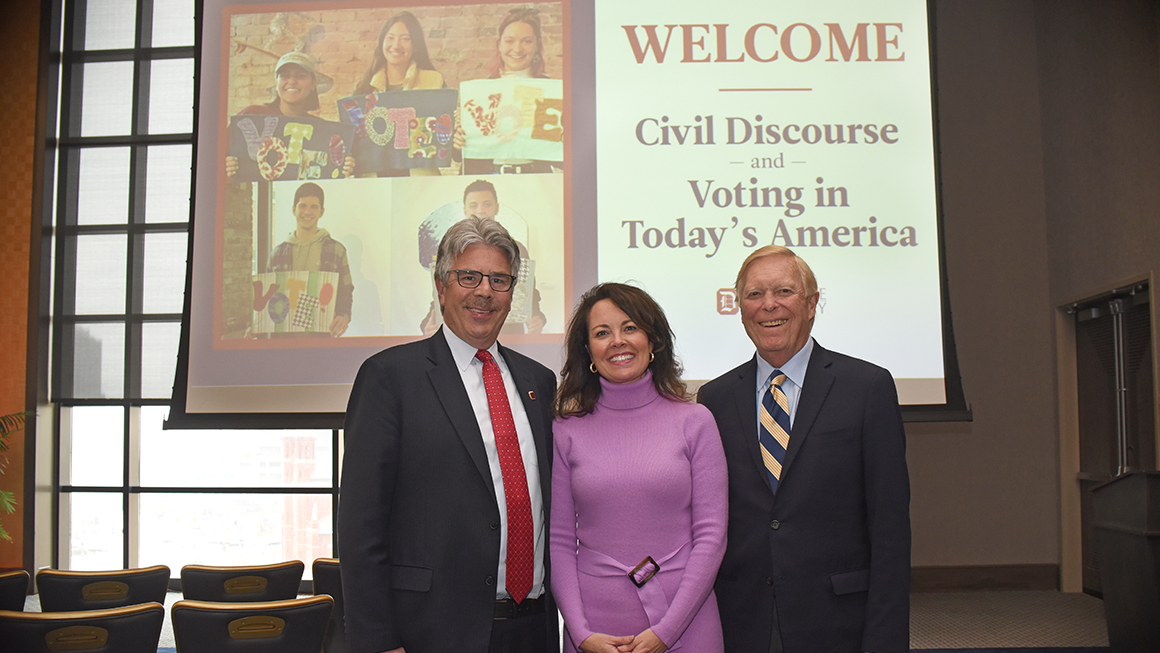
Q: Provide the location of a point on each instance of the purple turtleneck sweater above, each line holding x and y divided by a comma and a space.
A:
642, 475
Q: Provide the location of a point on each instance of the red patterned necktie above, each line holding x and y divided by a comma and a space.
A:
520, 548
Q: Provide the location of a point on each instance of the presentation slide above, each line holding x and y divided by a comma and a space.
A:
655, 143
807, 125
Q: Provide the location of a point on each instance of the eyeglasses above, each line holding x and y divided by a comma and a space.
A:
472, 279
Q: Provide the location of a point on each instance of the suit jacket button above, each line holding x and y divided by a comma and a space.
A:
769, 581
495, 525
490, 581
775, 524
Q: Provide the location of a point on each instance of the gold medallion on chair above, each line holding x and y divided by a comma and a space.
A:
256, 627
245, 585
106, 590
77, 638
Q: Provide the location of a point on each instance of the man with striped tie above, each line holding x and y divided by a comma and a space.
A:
818, 555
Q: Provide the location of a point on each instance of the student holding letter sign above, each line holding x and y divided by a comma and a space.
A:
307, 286
513, 122
399, 135
289, 142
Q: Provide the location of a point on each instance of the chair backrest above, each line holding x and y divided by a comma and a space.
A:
292, 626
67, 591
13, 589
275, 582
327, 580
131, 629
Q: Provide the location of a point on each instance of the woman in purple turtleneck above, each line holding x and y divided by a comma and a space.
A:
639, 487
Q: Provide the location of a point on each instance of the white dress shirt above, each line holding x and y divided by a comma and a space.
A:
471, 371
795, 379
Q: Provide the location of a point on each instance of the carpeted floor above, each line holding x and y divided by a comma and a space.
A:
1008, 650
1006, 620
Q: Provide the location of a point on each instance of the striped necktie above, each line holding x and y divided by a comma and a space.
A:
774, 428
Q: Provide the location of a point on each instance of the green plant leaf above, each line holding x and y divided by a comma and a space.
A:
12, 423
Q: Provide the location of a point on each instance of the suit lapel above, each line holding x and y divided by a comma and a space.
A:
448, 385
744, 398
819, 379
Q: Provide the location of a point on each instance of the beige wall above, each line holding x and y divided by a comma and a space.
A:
1050, 161
985, 492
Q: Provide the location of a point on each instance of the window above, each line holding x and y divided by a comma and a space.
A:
130, 493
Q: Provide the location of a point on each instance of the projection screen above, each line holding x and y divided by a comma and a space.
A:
650, 142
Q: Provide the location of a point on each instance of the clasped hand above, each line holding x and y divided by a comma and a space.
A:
646, 642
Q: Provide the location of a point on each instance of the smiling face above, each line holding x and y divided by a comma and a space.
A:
619, 348
397, 45
476, 314
517, 46
295, 84
480, 204
775, 309
307, 211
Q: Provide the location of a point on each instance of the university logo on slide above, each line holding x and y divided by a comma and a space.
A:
727, 301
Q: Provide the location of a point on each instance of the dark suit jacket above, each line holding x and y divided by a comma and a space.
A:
831, 552
418, 522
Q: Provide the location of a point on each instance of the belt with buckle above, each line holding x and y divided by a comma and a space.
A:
509, 609
515, 169
644, 572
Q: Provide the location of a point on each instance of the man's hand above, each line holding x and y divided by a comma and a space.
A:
537, 322
601, 643
338, 327
231, 166
348, 166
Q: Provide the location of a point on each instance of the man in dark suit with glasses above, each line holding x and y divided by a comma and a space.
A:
446, 475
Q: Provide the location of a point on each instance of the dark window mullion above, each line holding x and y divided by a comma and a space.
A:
71, 83
132, 229
69, 320
121, 141
126, 54
125, 484
334, 484
144, 24
71, 403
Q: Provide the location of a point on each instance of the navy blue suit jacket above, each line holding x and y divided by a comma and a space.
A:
830, 553
418, 520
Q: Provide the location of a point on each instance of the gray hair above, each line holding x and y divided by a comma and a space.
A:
474, 231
